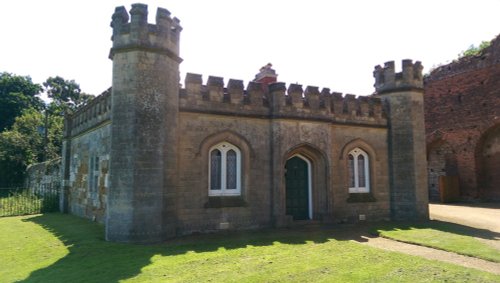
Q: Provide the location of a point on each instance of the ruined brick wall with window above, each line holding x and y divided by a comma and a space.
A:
462, 116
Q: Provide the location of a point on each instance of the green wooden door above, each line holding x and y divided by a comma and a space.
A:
297, 188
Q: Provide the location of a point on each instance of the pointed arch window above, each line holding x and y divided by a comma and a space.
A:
359, 171
225, 170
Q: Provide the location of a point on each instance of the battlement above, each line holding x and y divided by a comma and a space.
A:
97, 111
137, 34
277, 101
387, 80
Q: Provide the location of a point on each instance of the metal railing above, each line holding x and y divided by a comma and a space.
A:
24, 201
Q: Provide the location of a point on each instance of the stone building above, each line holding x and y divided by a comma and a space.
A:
462, 115
153, 160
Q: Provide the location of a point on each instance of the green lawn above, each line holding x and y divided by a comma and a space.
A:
446, 236
64, 248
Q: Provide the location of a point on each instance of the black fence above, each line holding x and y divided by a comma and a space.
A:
23, 201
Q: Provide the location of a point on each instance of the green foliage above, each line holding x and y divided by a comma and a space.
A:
65, 248
20, 203
25, 144
25, 118
474, 50
66, 95
17, 93
25, 201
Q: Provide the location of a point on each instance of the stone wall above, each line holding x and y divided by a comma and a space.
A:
89, 173
44, 175
85, 159
462, 109
266, 144
140, 153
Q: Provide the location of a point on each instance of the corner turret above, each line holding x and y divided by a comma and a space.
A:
162, 37
145, 91
403, 98
387, 80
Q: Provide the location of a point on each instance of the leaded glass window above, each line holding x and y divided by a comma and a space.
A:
231, 169
215, 169
359, 171
351, 171
225, 170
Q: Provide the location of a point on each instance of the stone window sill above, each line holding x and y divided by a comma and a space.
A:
225, 201
361, 197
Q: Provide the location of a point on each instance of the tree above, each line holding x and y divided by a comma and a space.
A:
66, 95
17, 93
25, 144
473, 50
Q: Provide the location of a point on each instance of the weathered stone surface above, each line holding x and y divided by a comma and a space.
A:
402, 95
156, 140
44, 175
87, 193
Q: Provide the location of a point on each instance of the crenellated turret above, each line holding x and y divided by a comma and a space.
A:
387, 80
162, 37
402, 96
145, 91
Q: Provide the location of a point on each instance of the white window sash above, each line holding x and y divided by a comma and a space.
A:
357, 188
224, 191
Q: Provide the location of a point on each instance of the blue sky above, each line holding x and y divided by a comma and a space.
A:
332, 44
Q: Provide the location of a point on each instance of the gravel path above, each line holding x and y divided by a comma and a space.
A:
433, 254
481, 216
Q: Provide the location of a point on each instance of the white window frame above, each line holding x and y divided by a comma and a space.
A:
224, 147
357, 189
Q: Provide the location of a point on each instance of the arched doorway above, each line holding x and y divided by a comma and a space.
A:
489, 163
298, 188
441, 161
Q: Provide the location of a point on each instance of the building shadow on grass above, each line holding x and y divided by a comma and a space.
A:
91, 259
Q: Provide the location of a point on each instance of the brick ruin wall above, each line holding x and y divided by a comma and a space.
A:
462, 116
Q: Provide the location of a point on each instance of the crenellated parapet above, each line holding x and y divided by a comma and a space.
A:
134, 33
387, 80
96, 112
277, 101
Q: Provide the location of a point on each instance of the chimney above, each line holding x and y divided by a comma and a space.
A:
266, 75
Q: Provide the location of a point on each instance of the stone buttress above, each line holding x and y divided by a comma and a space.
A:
145, 88
402, 96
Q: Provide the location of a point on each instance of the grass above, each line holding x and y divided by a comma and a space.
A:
24, 202
446, 236
20, 203
64, 248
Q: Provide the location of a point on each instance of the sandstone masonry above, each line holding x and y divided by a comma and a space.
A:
153, 160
